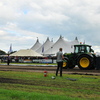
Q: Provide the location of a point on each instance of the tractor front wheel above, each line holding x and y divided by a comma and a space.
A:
65, 63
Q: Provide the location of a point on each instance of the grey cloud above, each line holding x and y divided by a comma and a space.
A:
43, 18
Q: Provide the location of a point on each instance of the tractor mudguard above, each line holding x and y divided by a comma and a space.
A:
66, 58
91, 56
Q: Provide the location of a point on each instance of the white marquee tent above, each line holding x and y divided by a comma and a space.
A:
61, 43
51, 48
26, 52
36, 46
75, 41
45, 46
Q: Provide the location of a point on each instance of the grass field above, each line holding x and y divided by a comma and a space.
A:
34, 86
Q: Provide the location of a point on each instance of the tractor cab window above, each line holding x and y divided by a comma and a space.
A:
88, 49
82, 49
76, 49
79, 49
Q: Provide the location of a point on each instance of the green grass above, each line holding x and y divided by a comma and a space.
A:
34, 86
19, 95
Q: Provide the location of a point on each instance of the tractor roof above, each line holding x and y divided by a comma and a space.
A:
82, 45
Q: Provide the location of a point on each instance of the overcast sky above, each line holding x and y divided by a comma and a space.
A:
22, 21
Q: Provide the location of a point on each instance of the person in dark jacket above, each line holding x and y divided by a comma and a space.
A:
8, 59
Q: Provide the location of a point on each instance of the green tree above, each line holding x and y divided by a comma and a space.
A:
2, 52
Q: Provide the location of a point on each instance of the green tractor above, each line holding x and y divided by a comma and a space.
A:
83, 56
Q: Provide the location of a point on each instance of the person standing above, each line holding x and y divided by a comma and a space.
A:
8, 59
60, 59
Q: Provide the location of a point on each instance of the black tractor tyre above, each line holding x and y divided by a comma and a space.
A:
71, 66
93, 67
65, 63
85, 62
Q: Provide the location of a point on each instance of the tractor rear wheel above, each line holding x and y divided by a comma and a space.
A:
65, 63
84, 62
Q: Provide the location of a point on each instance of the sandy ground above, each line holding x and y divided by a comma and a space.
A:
49, 69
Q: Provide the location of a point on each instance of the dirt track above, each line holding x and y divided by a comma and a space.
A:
49, 69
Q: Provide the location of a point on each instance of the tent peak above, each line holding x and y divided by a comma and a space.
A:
47, 39
37, 40
76, 38
61, 37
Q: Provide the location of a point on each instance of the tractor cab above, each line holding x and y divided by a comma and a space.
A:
83, 48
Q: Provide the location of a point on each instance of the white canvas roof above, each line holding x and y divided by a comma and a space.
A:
26, 52
75, 41
36, 45
46, 45
61, 43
